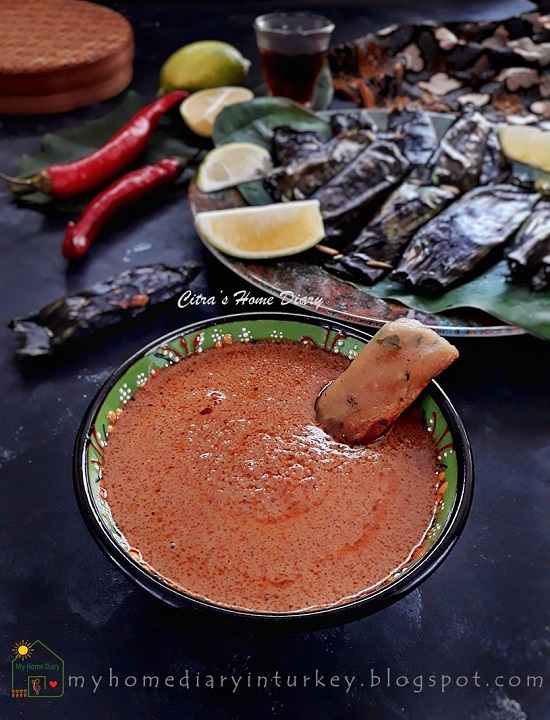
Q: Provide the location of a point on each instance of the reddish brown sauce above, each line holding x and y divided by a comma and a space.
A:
219, 475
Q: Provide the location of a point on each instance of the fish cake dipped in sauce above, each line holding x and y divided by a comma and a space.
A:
389, 373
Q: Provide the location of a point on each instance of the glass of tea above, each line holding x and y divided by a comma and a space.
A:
292, 47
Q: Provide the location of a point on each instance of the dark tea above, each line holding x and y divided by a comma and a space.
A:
292, 48
291, 76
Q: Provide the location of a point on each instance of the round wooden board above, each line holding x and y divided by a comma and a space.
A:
61, 55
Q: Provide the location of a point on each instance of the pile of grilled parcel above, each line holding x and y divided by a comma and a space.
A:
428, 212
500, 65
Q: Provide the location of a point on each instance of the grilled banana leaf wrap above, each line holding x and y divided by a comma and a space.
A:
531, 244
301, 177
380, 244
421, 197
495, 168
119, 298
358, 120
360, 186
416, 132
541, 279
459, 157
462, 238
290, 145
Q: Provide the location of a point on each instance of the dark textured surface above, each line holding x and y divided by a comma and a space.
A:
485, 610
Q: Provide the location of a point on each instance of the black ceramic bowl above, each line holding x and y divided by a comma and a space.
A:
440, 417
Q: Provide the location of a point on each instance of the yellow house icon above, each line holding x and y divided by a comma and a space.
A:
36, 671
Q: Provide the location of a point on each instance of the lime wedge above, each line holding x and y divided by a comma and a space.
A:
264, 231
526, 144
201, 109
231, 164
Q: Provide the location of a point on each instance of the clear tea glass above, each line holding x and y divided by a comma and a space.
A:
292, 49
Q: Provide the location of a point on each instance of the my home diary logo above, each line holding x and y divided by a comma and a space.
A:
36, 671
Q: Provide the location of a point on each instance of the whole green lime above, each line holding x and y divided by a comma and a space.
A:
203, 64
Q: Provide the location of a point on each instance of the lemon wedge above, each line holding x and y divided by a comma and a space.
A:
231, 164
200, 110
264, 231
526, 144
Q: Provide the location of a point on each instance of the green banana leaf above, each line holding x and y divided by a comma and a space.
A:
491, 292
254, 121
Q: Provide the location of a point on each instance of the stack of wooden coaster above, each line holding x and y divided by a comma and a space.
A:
60, 55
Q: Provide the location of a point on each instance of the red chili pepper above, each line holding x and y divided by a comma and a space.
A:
134, 185
92, 171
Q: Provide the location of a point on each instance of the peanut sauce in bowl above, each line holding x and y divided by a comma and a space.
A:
201, 470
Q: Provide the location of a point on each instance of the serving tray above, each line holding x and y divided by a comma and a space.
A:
300, 282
